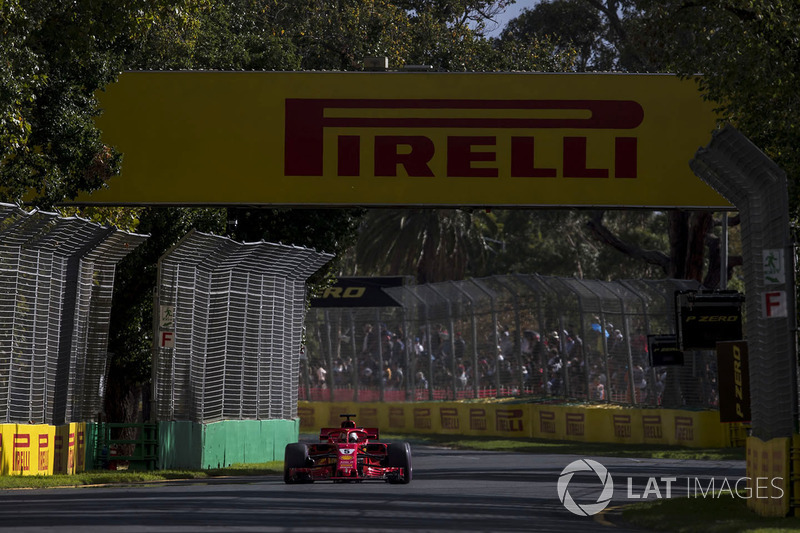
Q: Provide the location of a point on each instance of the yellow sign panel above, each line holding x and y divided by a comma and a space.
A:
442, 139
41, 449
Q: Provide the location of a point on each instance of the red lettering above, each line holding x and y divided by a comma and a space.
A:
460, 157
523, 161
415, 161
166, 338
349, 155
575, 160
625, 162
306, 120
772, 299
43, 461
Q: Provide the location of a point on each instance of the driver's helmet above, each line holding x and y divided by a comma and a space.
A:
353, 436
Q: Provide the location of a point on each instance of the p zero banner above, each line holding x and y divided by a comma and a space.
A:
434, 139
359, 292
733, 369
664, 350
701, 326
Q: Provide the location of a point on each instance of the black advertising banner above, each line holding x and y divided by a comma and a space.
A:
664, 350
359, 292
734, 381
703, 323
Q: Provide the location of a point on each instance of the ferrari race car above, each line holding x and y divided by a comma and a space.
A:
347, 453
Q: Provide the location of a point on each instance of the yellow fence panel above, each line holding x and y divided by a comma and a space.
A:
697, 429
26, 449
6, 439
768, 476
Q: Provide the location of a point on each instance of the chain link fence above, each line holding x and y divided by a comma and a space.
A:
553, 338
229, 331
56, 281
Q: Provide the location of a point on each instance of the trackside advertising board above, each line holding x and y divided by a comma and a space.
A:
40, 449
410, 139
696, 429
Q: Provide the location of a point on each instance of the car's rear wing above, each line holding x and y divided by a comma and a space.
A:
325, 433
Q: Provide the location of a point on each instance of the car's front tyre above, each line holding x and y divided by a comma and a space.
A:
398, 455
295, 456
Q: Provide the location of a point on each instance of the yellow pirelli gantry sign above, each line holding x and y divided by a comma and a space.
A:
441, 139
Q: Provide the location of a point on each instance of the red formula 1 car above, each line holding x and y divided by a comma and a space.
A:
347, 453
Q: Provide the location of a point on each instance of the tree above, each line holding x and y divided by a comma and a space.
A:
744, 51
325, 230
432, 245
569, 25
131, 327
558, 242
476, 14
747, 54
53, 57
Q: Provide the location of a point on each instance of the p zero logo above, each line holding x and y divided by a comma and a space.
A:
344, 292
713, 318
468, 156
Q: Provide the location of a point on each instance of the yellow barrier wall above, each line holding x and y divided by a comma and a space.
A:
697, 429
769, 477
40, 449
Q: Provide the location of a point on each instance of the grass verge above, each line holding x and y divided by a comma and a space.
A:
126, 477
723, 514
571, 447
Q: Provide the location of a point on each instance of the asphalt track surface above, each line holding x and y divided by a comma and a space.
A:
452, 490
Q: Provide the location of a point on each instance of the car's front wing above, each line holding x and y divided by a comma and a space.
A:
364, 473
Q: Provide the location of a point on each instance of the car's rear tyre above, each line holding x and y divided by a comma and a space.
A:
398, 455
295, 456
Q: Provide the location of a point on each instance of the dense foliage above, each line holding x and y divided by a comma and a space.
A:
55, 55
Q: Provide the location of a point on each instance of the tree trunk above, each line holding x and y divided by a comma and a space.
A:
122, 398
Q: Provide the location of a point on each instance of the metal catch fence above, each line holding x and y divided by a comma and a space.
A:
229, 331
548, 337
56, 281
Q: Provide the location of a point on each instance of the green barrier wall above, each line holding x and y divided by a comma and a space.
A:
180, 445
220, 444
